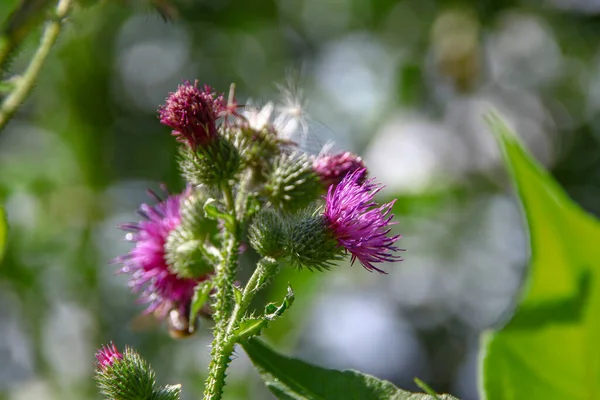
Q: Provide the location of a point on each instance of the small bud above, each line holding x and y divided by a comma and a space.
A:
292, 184
212, 165
192, 114
331, 169
266, 233
126, 377
309, 243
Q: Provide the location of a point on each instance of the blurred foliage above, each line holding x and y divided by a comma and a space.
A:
548, 349
403, 83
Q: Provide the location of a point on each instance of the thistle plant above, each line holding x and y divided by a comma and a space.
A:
246, 184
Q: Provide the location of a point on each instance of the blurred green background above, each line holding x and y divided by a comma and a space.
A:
402, 83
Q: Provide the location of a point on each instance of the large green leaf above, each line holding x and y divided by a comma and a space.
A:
292, 379
551, 347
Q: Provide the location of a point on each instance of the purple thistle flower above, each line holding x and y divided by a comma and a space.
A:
331, 169
358, 224
146, 262
192, 114
107, 355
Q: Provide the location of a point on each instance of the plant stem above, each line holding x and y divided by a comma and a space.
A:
225, 276
225, 341
263, 271
25, 83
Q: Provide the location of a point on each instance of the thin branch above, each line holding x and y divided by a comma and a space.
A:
12, 102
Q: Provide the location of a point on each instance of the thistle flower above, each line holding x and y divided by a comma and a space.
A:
106, 356
129, 378
192, 114
358, 224
146, 262
332, 168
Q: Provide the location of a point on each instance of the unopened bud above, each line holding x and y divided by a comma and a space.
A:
124, 377
308, 242
293, 184
266, 233
212, 165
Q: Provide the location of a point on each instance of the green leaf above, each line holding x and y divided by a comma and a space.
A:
292, 379
250, 327
253, 326
212, 211
272, 311
237, 293
200, 298
551, 348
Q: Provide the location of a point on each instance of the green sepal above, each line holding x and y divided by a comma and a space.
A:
201, 296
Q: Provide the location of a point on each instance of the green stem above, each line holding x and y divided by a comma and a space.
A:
225, 340
225, 276
263, 271
12, 102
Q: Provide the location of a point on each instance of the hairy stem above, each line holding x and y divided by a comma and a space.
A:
225, 276
225, 340
23, 86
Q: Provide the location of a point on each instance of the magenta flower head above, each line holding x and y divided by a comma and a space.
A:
146, 262
358, 224
331, 169
106, 356
192, 114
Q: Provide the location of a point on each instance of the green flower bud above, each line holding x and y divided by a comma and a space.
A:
309, 243
186, 245
266, 233
256, 147
212, 165
292, 184
124, 377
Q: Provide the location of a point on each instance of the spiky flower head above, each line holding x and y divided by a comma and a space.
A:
127, 376
161, 289
266, 233
357, 222
212, 165
292, 184
107, 355
332, 168
192, 113
308, 243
